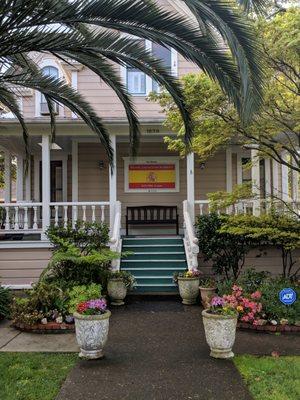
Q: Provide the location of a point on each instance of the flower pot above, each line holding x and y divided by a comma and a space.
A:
188, 290
220, 333
91, 334
206, 295
117, 291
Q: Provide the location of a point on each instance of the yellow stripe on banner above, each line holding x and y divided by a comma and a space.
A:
152, 176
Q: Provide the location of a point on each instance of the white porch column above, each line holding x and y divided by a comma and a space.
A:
113, 183
229, 185
45, 183
7, 176
190, 169
295, 184
285, 180
268, 177
74, 171
255, 174
20, 178
275, 175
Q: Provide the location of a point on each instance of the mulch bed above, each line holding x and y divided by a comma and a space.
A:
269, 328
50, 327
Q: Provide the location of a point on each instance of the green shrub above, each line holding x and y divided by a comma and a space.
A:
226, 251
80, 256
45, 300
82, 293
272, 306
281, 231
5, 302
86, 236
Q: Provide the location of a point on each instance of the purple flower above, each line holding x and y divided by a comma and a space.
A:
217, 301
100, 304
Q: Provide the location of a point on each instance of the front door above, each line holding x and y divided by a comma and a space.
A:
56, 184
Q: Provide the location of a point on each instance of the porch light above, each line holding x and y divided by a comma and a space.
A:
202, 165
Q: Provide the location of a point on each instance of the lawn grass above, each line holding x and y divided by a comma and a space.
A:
33, 376
270, 378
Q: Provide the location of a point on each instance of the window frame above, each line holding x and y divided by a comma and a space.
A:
149, 80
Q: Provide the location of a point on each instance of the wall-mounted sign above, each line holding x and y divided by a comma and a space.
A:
160, 174
287, 296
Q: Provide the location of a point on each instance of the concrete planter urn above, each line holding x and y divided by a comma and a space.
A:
117, 291
188, 290
207, 293
91, 334
220, 333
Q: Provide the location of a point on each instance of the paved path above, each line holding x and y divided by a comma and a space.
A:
156, 351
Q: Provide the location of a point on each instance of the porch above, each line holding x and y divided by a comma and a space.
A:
71, 181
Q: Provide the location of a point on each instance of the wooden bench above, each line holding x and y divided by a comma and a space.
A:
152, 215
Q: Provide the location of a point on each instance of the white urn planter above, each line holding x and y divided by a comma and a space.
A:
220, 333
207, 293
91, 334
188, 290
117, 291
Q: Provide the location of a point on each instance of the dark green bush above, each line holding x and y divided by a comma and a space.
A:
227, 252
80, 255
272, 306
5, 301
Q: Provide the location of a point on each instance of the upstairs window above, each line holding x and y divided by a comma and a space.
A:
53, 72
138, 83
165, 55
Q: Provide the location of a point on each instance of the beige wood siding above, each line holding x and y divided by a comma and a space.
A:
262, 259
22, 266
212, 177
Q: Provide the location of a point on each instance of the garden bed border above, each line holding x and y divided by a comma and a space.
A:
50, 327
269, 328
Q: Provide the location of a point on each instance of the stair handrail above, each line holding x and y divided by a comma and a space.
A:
190, 240
115, 240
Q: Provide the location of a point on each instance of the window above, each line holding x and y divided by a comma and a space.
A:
53, 72
137, 81
165, 55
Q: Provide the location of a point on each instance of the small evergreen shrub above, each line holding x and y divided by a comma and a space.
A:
127, 278
5, 302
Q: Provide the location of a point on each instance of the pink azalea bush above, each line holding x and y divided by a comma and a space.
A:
249, 308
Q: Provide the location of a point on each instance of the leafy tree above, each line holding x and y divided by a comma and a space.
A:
70, 31
281, 231
277, 127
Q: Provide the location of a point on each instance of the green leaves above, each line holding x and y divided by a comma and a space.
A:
65, 29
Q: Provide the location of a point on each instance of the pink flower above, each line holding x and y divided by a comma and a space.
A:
256, 295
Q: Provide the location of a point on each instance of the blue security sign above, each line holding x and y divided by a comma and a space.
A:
287, 296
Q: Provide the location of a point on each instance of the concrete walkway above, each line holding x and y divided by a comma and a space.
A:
156, 351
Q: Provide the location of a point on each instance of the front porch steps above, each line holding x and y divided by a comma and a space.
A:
152, 261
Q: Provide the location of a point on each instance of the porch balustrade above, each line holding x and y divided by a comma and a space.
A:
251, 207
26, 217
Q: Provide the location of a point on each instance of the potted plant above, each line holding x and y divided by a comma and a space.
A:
118, 284
91, 326
188, 284
220, 321
207, 290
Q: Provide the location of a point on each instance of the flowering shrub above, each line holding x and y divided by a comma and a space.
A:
249, 309
218, 305
192, 273
92, 307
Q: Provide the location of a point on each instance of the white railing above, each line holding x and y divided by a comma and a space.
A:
190, 240
65, 213
115, 240
251, 206
22, 216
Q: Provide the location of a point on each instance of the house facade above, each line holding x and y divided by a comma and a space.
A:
71, 179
